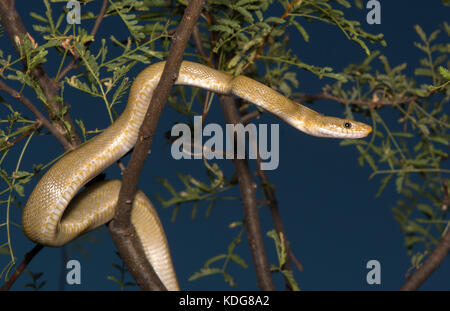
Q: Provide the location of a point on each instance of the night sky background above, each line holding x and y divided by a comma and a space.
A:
334, 223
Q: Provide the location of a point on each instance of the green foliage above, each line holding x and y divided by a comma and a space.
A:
252, 37
230, 256
123, 271
323, 11
196, 191
244, 31
416, 261
123, 9
35, 284
412, 156
282, 254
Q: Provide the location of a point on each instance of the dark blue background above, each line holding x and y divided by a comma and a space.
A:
333, 222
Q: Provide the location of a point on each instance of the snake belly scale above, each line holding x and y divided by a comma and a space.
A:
55, 214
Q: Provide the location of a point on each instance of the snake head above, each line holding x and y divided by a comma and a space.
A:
342, 128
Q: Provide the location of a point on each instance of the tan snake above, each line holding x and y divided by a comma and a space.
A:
54, 214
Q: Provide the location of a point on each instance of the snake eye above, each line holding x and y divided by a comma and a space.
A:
347, 125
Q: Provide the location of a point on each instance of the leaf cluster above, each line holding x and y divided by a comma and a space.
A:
413, 152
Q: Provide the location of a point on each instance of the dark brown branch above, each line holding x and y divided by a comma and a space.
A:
39, 116
269, 193
198, 43
212, 37
294, 259
431, 264
249, 116
120, 227
28, 257
446, 200
99, 18
69, 67
31, 129
251, 216
201, 51
16, 31
370, 104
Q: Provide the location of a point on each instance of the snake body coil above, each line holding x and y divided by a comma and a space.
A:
55, 215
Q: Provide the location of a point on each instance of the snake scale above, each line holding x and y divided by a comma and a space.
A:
55, 214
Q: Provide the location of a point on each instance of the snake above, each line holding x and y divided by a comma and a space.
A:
57, 211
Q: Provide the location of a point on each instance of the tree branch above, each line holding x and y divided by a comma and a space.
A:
28, 257
99, 18
40, 117
432, 263
370, 104
269, 193
247, 117
198, 43
16, 31
120, 227
251, 216
446, 200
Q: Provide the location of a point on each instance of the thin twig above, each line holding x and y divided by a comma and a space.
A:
198, 44
168, 32
99, 18
69, 67
446, 200
40, 117
120, 227
28, 257
294, 259
269, 194
31, 129
249, 116
370, 104
211, 20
